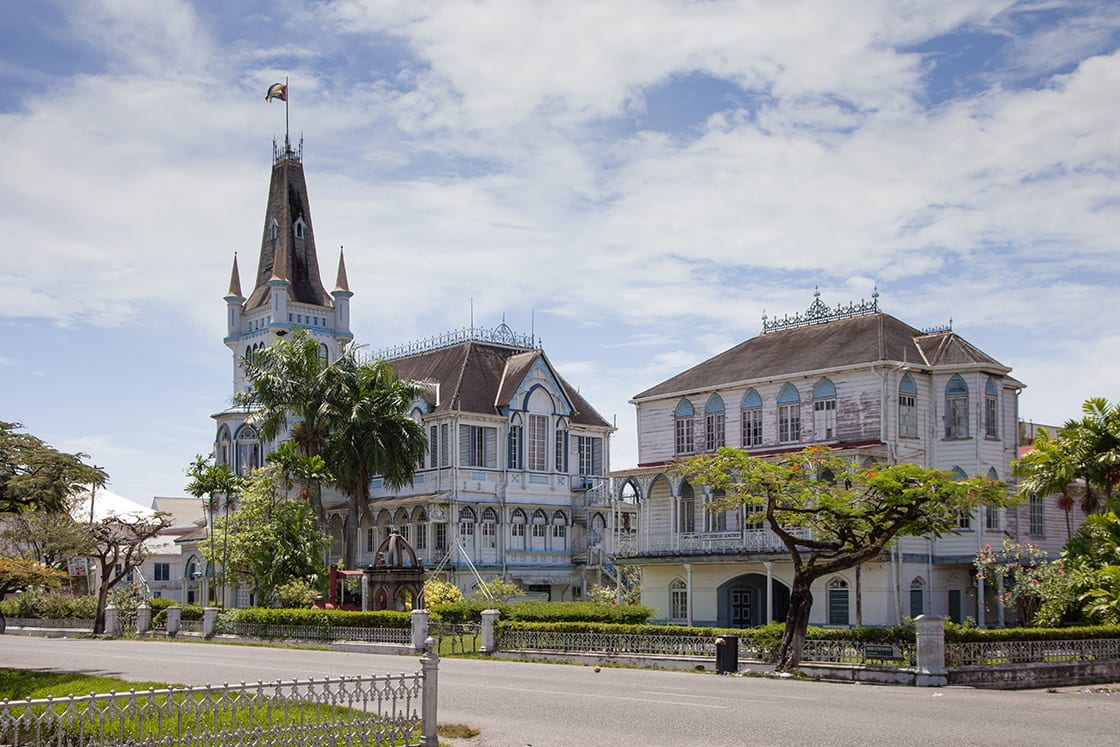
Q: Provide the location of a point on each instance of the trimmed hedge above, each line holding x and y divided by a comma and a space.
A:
546, 612
322, 618
960, 634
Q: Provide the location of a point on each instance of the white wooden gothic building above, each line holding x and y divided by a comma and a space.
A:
874, 389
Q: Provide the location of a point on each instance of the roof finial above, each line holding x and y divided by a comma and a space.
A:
341, 283
234, 281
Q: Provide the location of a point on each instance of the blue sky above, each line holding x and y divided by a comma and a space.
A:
638, 180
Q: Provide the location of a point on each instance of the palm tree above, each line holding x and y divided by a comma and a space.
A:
1082, 459
212, 481
290, 382
371, 434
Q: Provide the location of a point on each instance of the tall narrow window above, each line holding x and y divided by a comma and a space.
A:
713, 423
751, 423
514, 456
715, 515
538, 438
561, 460
907, 408
517, 530
248, 451
559, 532
992, 513
477, 446
991, 409
1037, 516
489, 529
433, 446
686, 510
540, 530
445, 445
683, 427
824, 410
678, 600
421, 520
789, 415
838, 602
956, 408
917, 597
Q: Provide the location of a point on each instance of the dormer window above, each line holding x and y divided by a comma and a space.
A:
300, 228
273, 229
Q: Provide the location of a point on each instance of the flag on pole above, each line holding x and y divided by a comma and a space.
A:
277, 91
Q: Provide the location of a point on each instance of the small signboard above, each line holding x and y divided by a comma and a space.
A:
77, 567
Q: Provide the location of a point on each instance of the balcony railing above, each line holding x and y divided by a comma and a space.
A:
705, 543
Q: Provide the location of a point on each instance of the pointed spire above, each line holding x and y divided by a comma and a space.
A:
341, 283
280, 262
234, 281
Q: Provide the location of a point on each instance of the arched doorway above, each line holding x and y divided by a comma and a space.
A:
741, 601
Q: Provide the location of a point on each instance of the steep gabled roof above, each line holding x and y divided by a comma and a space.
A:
288, 204
859, 340
481, 378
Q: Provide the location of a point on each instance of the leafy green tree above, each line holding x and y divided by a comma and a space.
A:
1082, 459
294, 467
218, 484
1018, 571
496, 590
832, 515
272, 540
17, 574
1086, 586
371, 434
34, 474
50, 537
440, 592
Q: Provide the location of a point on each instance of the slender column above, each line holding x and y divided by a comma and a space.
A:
688, 590
365, 593
143, 618
769, 591
489, 636
419, 629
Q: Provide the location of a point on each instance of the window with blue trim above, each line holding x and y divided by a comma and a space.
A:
789, 415
686, 510
514, 443
838, 603
991, 409
824, 410
714, 423
682, 422
956, 408
751, 422
907, 408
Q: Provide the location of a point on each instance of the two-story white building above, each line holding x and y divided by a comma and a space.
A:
872, 388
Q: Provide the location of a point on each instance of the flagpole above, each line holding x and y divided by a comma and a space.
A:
287, 95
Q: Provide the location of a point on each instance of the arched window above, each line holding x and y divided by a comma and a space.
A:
907, 407
489, 529
964, 518
561, 457
686, 510
299, 228
917, 597
824, 410
956, 408
515, 441
713, 423
540, 529
991, 409
678, 600
517, 529
248, 451
466, 527
559, 532
751, 420
420, 519
683, 427
324, 353
273, 229
838, 602
993, 514
221, 451
789, 414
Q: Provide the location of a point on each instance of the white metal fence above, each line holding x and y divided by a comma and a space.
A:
1026, 652
384, 710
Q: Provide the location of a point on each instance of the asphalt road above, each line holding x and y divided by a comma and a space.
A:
545, 705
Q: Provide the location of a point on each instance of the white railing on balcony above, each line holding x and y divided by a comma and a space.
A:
699, 543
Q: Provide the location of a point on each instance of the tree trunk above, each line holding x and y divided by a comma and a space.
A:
797, 621
102, 602
350, 535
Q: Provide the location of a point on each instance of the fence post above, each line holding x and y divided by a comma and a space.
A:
489, 637
112, 617
174, 618
931, 652
143, 618
419, 629
429, 667
209, 622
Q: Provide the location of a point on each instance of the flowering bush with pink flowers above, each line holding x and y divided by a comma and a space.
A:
1018, 575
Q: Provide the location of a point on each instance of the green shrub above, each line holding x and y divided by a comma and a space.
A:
985, 635
188, 612
323, 618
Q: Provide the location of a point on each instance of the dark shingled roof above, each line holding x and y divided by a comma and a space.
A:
480, 378
869, 338
287, 203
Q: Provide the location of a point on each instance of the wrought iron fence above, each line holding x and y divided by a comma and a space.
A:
465, 638
1028, 652
370, 710
316, 632
858, 652
619, 643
